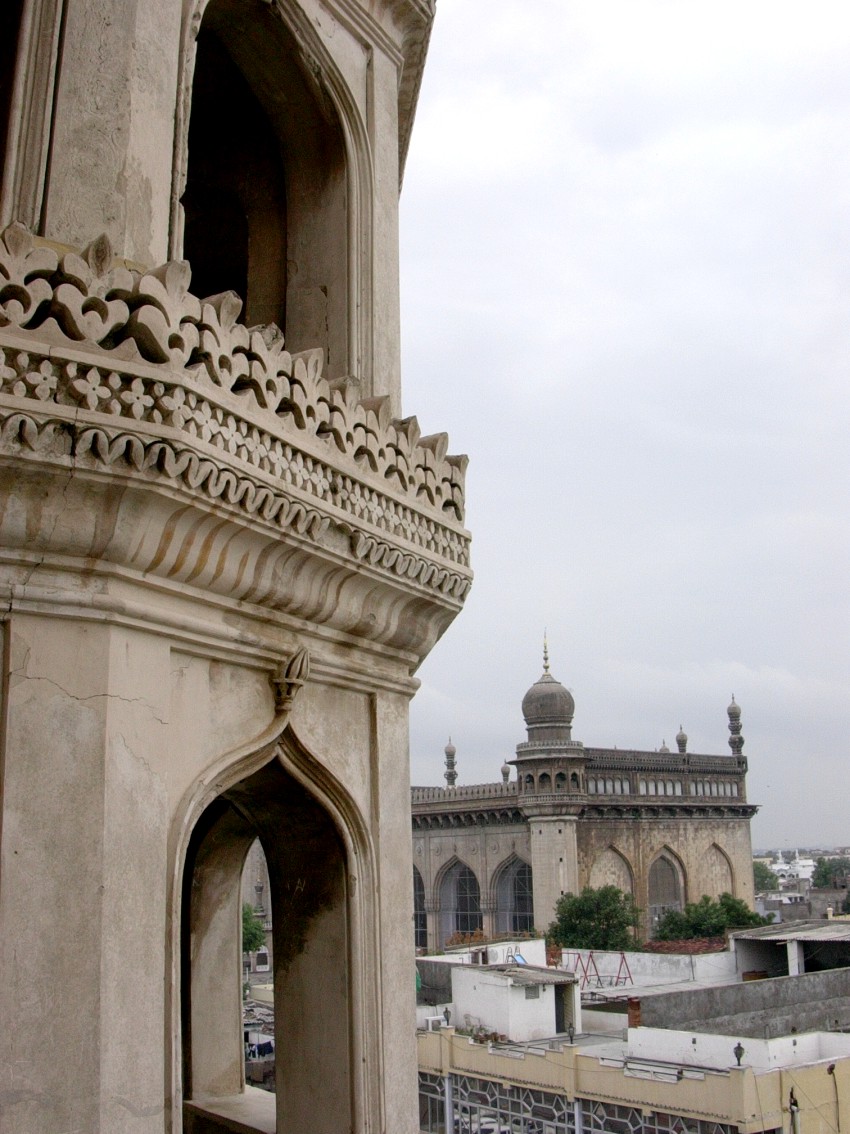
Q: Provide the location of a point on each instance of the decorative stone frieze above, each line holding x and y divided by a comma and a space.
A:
103, 367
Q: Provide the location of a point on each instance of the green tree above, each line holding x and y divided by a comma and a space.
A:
595, 919
826, 871
253, 933
763, 877
707, 918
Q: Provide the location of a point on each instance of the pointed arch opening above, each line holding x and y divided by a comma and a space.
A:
265, 203
306, 862
11, 20
666, 886
514, 897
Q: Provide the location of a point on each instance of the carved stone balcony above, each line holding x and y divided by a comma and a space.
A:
211, 456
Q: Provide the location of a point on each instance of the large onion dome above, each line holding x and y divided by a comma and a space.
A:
548, 707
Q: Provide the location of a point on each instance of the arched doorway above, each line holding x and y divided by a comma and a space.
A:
306, 861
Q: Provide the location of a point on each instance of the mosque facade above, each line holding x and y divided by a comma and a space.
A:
666, 827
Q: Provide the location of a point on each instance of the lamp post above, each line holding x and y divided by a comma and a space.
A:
831, 1072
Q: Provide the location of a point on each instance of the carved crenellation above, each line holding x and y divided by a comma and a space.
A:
202, 349
104, 365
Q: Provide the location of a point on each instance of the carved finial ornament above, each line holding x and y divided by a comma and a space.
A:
545, 653
289, 678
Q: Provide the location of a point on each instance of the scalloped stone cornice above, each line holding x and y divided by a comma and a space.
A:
129, 378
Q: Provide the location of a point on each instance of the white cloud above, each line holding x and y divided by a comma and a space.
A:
625, 270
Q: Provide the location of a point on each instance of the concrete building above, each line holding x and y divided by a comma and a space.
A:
660, 1043
654, 1081
223, 555
797, 870
666, 827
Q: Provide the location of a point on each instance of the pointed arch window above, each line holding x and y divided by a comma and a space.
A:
514, 899
460, 902
665, 888
420, 918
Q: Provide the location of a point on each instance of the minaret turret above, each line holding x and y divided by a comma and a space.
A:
451, 771
736, 741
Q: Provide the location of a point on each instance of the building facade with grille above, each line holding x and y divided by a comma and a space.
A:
651, 1081
666, 827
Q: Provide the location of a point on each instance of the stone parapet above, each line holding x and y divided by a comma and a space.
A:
125, 377
600, 759
470, 791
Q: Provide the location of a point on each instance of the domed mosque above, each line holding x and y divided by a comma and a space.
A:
666, 827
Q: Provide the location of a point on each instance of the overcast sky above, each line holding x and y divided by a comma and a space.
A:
626, 295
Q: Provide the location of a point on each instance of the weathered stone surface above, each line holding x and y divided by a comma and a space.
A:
221, 562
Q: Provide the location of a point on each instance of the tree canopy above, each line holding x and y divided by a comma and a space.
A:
595, 919
763, 877
707, 918
828, 870
253, 933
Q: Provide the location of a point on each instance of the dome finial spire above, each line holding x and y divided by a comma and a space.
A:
545, 653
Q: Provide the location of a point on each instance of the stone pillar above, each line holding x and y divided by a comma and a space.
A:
432, 916
384, 78
796, 958
83, 909
488, 917
115, 98
554, 863
391, 803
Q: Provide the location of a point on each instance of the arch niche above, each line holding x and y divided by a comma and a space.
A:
611, 868
265, 190
308, 848
719, 878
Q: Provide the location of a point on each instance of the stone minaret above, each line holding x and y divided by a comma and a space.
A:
736, 741
451, 771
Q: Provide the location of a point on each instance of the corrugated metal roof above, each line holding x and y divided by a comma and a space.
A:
829, 930
529, 974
